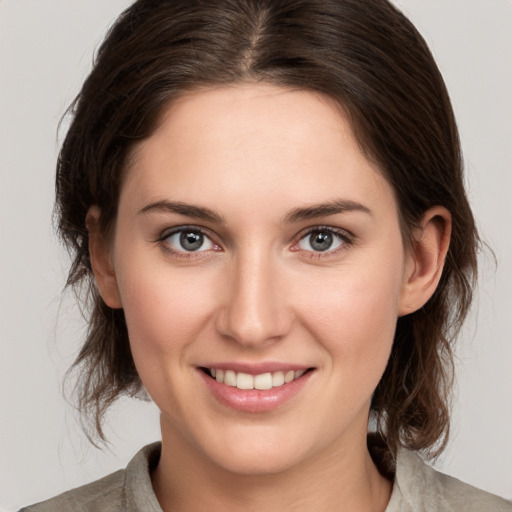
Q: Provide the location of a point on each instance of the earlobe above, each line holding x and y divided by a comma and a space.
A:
425, 259
101, 260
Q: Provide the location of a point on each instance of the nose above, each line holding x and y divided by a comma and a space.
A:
254, 310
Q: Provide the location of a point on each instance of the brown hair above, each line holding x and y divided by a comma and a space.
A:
367, 56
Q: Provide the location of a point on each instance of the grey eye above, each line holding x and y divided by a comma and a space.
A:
189, 240
321, 240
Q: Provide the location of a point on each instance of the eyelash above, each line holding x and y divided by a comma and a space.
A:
346, 240
163, 241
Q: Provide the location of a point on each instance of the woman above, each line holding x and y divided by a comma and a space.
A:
267, 201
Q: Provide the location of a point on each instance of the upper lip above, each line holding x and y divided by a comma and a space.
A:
256, 368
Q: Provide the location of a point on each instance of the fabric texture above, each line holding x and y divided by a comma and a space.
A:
417, 488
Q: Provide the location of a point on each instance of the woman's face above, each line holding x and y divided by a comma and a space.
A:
255, 241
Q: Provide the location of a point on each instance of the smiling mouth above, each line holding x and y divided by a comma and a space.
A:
262, 381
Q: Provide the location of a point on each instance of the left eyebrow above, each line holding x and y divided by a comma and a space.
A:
324, 209
189, 210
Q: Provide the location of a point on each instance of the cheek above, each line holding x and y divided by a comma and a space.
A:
358, 315
164, 310
165, 314
354, 318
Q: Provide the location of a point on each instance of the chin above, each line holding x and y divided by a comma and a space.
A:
254, 463
259, 451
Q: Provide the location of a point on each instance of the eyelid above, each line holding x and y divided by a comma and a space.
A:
167, 233
347, 238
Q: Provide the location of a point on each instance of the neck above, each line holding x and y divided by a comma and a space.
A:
343, 478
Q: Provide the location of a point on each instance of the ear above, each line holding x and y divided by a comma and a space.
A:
425, 259
101, 260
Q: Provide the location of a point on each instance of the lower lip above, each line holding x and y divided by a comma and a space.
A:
254, 400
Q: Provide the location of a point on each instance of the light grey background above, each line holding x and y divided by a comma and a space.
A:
46, 51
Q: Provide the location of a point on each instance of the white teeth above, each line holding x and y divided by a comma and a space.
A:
277, 379
230, 378
262, 381
244, 381
289, 376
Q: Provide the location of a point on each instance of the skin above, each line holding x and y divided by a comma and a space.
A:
257, 291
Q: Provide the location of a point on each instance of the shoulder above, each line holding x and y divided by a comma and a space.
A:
129, 489
418, 487
103, 494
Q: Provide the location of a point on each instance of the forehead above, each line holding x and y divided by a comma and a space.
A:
252, 141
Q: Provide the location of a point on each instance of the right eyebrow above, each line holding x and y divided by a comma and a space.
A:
325, 209
189, 210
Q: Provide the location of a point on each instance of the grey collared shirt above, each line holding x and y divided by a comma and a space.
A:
416, 488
